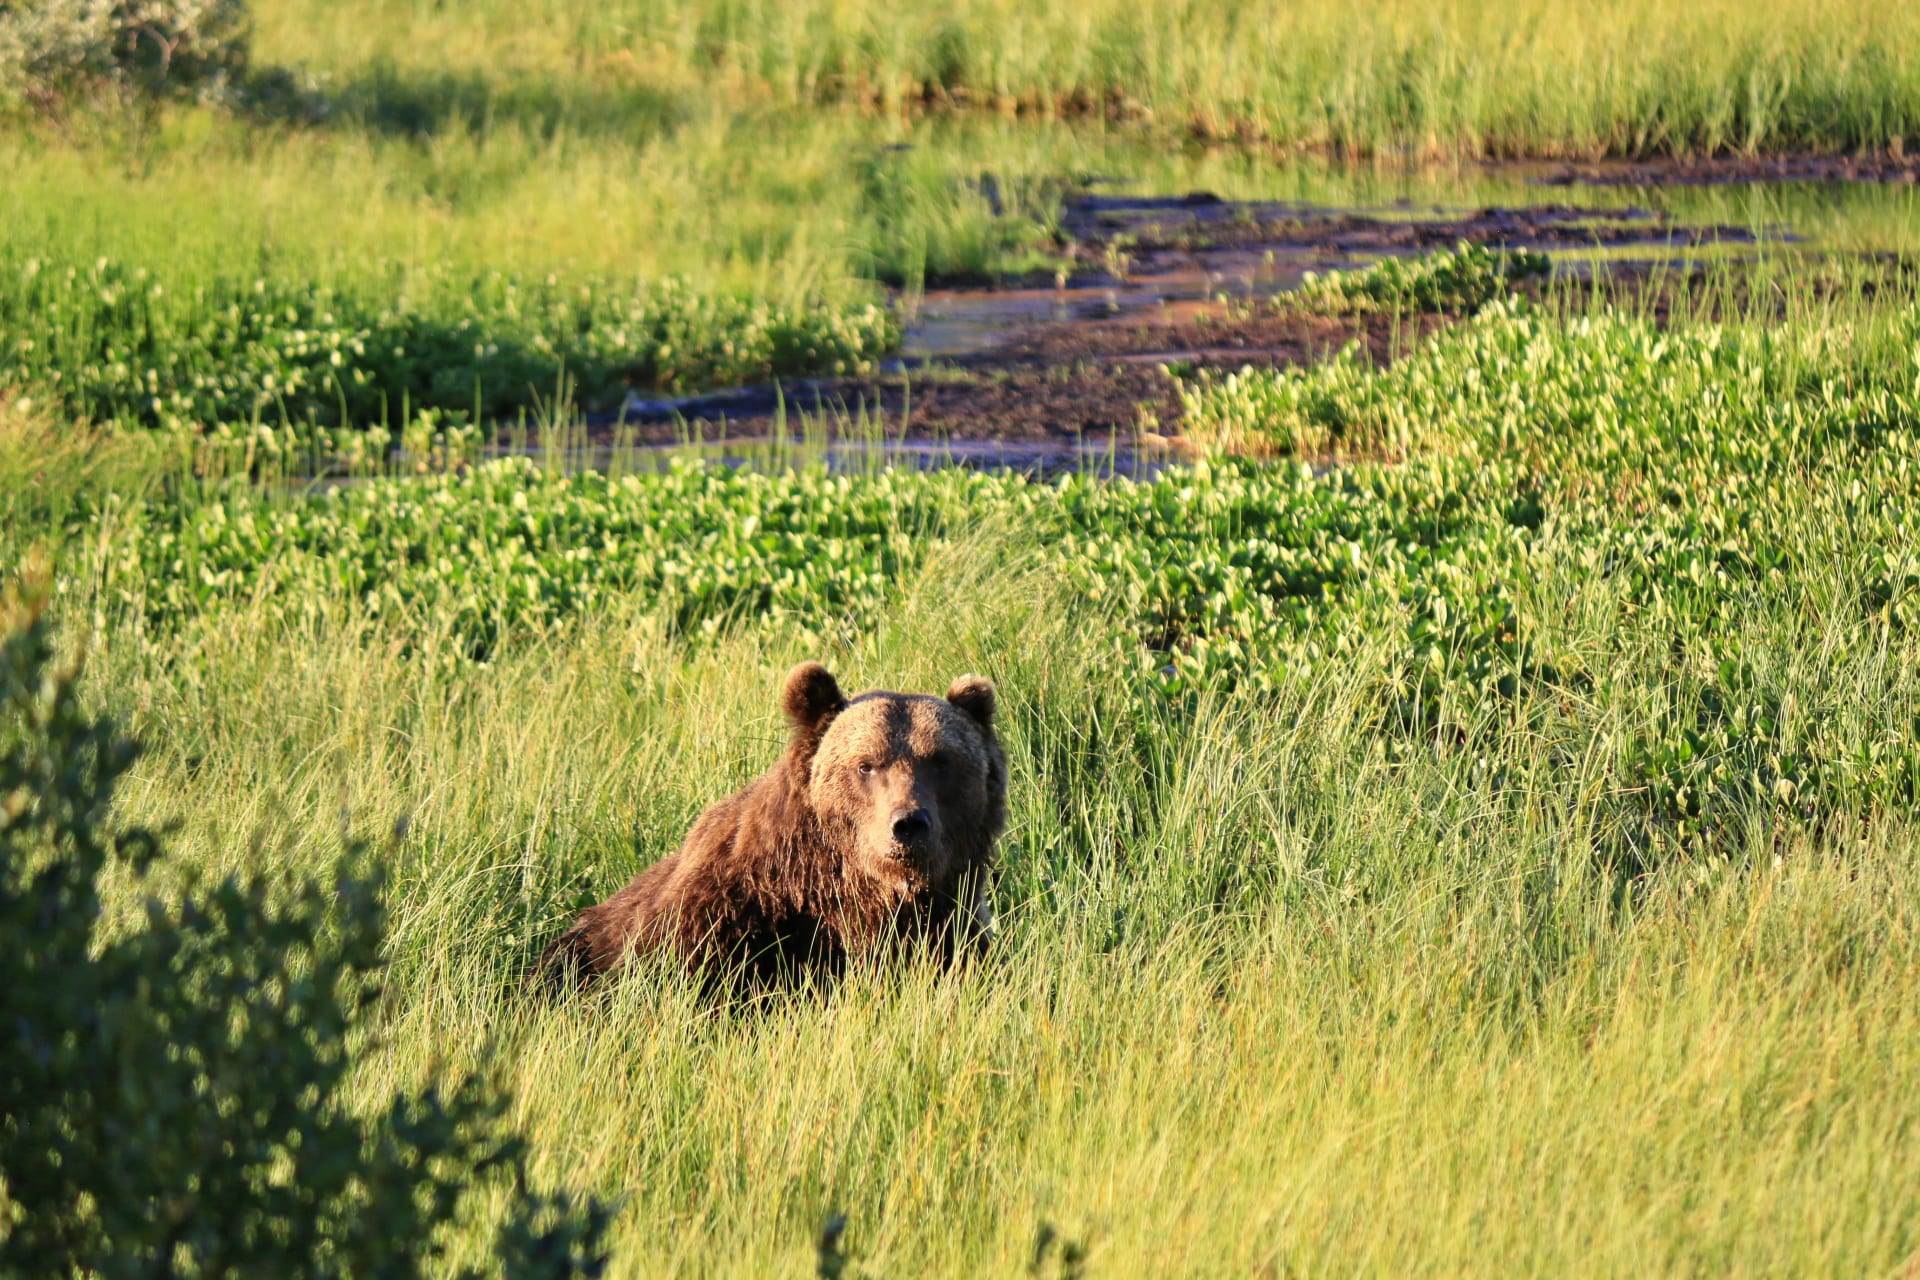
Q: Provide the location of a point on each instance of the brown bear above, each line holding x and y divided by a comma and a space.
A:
875, 829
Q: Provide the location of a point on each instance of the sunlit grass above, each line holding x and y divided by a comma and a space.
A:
1264, 996
1324, 950
1350, 958
1518, 77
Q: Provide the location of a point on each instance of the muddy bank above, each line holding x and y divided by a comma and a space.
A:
1728, 170
1200, 223
1129, 254
1057, 383
1147, 284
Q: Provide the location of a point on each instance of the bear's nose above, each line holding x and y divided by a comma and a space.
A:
911, 825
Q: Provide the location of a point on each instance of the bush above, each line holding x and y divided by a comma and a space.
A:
50, 48
172, 1101
1459, 281
113, 341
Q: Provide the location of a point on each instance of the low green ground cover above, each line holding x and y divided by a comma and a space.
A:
1691, 480
110, 342
1459, 281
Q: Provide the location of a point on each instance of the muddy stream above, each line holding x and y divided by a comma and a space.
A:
1079, 368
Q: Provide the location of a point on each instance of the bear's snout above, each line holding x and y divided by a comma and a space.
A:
912, 826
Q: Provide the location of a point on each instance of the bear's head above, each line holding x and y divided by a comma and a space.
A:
912, 788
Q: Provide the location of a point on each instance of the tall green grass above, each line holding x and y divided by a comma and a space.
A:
1438, 913
1266, 995
1518, 77
213, 271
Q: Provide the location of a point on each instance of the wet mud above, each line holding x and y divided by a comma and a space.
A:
1730, 170
1062, 382
1149, 288
1163, 234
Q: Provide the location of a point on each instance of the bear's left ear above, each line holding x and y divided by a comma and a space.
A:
811, 697
973, 695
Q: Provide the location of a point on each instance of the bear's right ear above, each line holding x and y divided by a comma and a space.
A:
973, 695
811, 698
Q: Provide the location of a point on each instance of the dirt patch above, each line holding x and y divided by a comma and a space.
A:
1725, 170
1049, 383
1202, 223
1139, 254
1148, 284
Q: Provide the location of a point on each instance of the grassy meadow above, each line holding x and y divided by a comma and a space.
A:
1500, 859
1463, 816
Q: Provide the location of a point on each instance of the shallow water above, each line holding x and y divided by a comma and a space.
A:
1169, 255
1321, 217
1160, 239
1105, 457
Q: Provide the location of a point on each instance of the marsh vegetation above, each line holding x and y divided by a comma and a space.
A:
1463, 796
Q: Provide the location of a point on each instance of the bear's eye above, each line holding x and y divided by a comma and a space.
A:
865, 767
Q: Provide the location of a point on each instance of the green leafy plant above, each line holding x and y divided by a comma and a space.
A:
173, 1099
118, 343
1460, 280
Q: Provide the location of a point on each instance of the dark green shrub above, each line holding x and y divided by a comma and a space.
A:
49, 48
172, 1100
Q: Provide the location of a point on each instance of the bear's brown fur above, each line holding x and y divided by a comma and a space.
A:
877, 827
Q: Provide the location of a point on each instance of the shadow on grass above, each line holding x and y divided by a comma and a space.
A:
422, 105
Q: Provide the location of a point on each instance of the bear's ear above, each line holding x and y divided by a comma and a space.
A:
973, 695
811, 697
